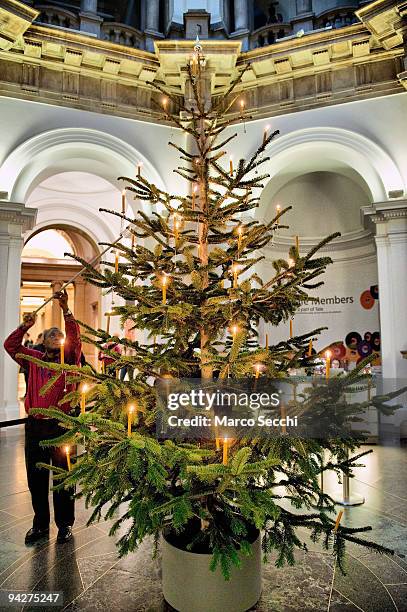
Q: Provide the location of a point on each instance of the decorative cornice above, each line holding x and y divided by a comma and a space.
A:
14, 213
382, 212
15, 18
319, 69
360, 238
384, 19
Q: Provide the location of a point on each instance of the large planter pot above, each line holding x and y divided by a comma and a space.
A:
190, 586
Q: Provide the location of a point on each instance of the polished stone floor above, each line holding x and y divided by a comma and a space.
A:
92, 578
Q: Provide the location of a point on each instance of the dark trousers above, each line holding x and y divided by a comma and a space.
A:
38, 478
127, 369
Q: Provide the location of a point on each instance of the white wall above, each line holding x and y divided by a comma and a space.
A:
344, 279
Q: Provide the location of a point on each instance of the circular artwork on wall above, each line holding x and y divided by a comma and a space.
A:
364, 349
375, 341
353, 339
352, 355
377, 359
338, 351
366, 300
367, 337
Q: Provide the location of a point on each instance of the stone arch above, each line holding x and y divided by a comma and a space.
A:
65, 212
335, 149
65, 149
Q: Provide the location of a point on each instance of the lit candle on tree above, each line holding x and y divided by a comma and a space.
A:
338, 520
116, 261
257, 367
133, 241
328, 356
265, 134
291, 328
225, 451
124, 202
84, 390
310, 348
278, 211
242, 106
234, 329
164, 282
239, 238
267, 341
177, 226
130, 413
108, 315
165, 105
231, 165
62, 351
68, 457
235, 271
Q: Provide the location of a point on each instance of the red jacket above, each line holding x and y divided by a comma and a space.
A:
37, 376
107, 359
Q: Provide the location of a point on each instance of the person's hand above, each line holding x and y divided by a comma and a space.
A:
62, 297
29, 319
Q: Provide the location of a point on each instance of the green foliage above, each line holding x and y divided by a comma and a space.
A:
147, 484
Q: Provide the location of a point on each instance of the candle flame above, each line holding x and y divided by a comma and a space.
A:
257, 366
235, 329
165, 279
291, 262
240, 230
62, 341
278, 208
195, 188
131, 409
67, 449
328, 354
242, 104
85, 388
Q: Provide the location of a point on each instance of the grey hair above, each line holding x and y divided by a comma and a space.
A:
47, 332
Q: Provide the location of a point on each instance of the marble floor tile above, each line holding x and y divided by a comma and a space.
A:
93, 578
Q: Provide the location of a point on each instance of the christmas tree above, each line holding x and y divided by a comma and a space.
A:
187, 274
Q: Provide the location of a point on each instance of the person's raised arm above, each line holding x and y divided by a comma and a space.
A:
73, 344
14, 343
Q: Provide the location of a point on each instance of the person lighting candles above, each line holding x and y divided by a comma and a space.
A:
38, 427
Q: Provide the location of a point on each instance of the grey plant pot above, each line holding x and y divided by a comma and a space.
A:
190, 586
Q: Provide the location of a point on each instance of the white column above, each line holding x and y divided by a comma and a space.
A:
241, 15
90, 21
390, 219
15, 219
304, 6
152, 15
152, 24
89, 6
